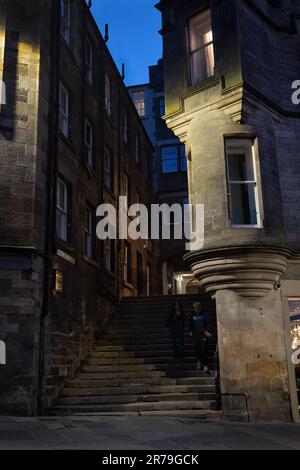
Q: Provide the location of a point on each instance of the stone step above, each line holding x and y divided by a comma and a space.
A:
121, 375
126, 399
189, 353
178, 362
144, 348
180, 367
137, 390
144, 381
135, 407
141, 341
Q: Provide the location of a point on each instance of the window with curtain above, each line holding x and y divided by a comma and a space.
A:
202, 60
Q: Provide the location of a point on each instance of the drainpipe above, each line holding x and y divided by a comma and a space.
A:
50, 219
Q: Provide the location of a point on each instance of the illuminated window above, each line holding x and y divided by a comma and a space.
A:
202, 61
242, 183
139, 101
89, 61
64, 105
62, 201
169, 159
65, 7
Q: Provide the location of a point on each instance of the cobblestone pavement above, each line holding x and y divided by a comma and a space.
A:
142, 433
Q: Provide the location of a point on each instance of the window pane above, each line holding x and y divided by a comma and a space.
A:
200, 30
169, 159
243, 204
183, 158
203, 64
240, 167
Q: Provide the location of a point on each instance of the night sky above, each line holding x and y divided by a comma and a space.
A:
133, 31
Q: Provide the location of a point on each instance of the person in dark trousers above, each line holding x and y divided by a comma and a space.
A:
198, 330
176, 322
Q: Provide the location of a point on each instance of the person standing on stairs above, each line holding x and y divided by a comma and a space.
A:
176, 322
198, 330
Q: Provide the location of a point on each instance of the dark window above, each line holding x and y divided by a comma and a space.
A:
127, 263
139, 273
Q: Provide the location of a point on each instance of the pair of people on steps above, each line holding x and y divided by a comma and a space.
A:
198, 331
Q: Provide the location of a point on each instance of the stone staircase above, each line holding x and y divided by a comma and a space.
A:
132, 369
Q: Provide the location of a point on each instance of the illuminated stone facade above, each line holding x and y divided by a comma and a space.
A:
229, 69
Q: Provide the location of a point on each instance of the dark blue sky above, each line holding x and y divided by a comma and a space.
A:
133, 31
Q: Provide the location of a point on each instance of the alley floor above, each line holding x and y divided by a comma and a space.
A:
142, 433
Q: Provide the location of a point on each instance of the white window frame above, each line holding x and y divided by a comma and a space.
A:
64, 113
62, 210
107, 94
246, 147
89, 60
66, 20
89, 146
140, 103
206, 46
88, 232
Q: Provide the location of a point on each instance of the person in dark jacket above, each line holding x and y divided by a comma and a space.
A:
198, 330
176, 322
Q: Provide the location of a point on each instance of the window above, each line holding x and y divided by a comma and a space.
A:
88, 144
89, 61
162, 106
110, 255
62, 201
183, 159
109, 171
139, 273
137, 147
202, 61
125, 127
169, 159
107, 94
242, 183
127, 263
139, 101
89, 233
65, 6
64, 105
126, 186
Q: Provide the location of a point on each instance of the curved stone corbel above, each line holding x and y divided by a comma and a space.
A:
251, 271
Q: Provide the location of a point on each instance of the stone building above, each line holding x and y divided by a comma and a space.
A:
229, 69
70, 139
170, 185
